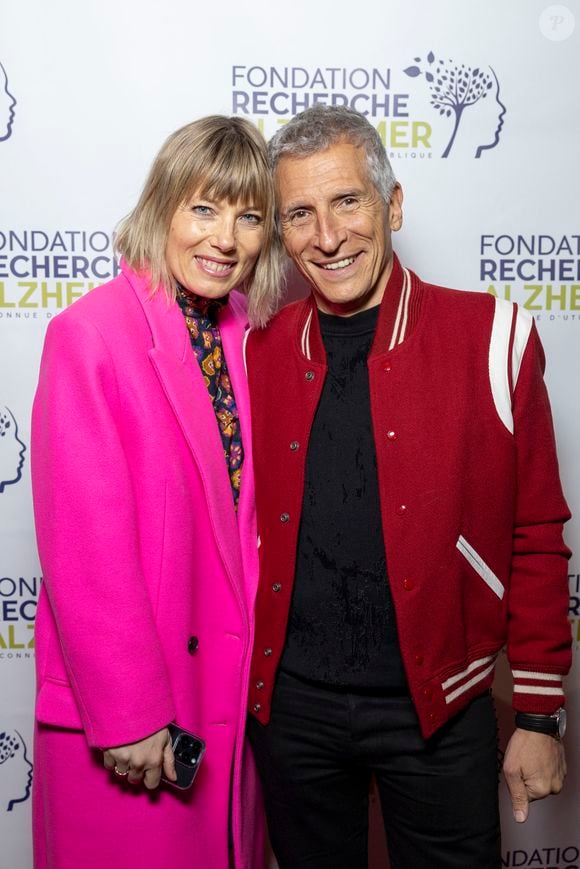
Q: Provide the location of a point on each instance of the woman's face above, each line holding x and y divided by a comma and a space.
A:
213, 245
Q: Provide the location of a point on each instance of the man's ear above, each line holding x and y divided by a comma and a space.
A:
396, 208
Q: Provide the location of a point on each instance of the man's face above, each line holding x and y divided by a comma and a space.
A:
336, 227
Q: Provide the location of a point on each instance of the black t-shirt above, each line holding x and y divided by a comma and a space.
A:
342, 628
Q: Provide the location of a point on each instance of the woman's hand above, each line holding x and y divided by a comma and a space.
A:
144, 760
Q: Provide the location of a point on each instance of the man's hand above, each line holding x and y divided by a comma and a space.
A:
143, 760
534, 766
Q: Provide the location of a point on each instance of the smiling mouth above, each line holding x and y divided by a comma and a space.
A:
216, 268
338, 265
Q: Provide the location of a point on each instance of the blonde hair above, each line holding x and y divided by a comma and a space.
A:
219, 158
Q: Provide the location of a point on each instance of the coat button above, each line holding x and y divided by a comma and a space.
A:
294, 445
309, 375
276, 586
267, 652
284, 517
387, 366
427, 693
392, 435
408, 584
259, 684
419, 660
192, 645
257, 707
402, 509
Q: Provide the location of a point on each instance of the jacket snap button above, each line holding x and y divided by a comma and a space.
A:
267, 652
192, 645
294, 445
309, 375
392, 435
387, 366
402, 509
284, 517
259, 684
408, 584
257, 707
427, 693
276, 586
419, 660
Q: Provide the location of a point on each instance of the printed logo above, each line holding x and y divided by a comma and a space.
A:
556, 857
453, 89
42, 272
271, 95
18, 604
557, 23
12, 449
7, 103
541, 272
15, 770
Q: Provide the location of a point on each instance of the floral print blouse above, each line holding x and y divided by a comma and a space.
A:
201, 320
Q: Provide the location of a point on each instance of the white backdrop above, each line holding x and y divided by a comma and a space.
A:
88, 92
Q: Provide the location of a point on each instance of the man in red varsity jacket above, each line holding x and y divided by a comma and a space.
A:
410, 517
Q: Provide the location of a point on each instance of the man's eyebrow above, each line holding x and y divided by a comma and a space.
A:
349, 191
341, 193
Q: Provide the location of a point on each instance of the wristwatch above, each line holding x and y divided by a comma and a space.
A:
554, 725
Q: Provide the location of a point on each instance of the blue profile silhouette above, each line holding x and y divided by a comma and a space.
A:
15, 770
499, 120
12, 449
7, 103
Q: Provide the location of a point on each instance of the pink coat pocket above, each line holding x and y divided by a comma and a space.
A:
55, 705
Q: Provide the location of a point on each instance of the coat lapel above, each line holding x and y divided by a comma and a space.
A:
232, 323
187, 395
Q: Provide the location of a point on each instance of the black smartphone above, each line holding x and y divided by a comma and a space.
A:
188, 750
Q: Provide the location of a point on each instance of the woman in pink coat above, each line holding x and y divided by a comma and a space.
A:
142, 476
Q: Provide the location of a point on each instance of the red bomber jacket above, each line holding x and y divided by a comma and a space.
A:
471, 504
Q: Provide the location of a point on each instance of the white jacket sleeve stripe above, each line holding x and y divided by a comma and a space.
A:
522, 333
498, 361
537, 689
538, 677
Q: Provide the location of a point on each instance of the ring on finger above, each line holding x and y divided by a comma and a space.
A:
119, 773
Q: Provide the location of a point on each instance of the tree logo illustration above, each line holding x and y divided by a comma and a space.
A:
454, 88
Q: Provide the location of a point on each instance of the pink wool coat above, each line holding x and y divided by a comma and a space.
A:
145, 615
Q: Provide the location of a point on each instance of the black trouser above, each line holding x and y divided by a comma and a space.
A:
439, 796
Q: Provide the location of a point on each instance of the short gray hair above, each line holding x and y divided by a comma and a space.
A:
319, 127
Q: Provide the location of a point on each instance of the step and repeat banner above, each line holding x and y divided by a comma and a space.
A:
479, 113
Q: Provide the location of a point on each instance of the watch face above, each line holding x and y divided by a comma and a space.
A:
561, 719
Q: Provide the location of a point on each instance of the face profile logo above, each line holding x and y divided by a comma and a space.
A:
12, 449
453, 89
15, 770
7, 103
